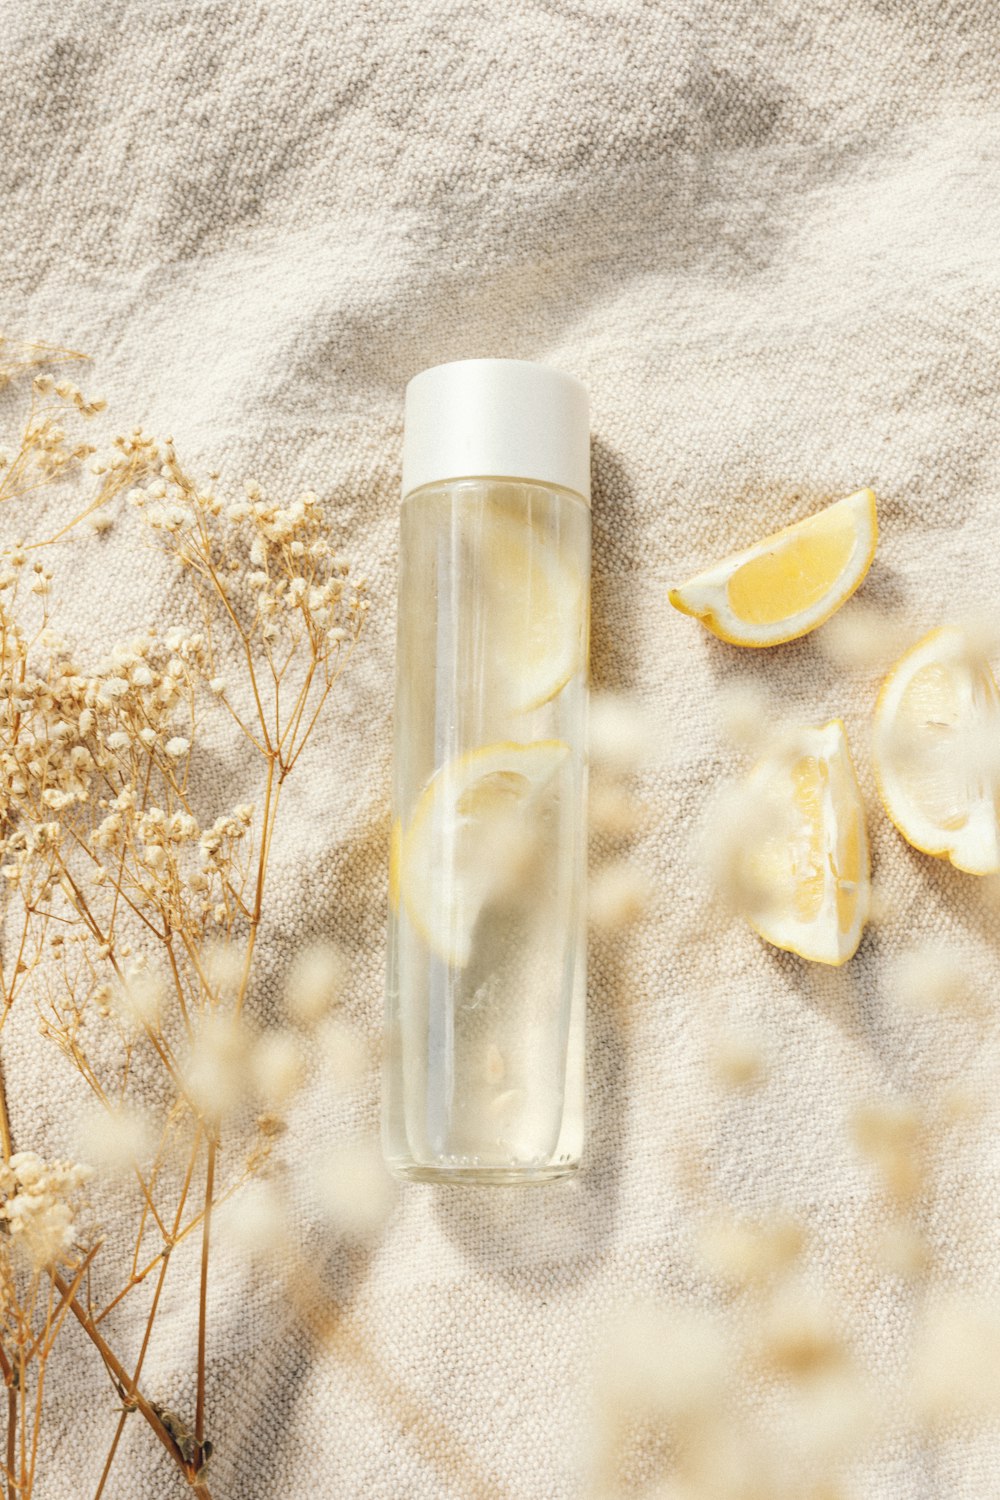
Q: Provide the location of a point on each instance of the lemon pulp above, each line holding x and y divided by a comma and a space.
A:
796, 575
808, 849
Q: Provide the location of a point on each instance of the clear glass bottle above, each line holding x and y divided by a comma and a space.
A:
483, 1075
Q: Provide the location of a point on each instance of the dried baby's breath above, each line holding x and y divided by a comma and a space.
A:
859, 638
135, 903
255, 1222
619, 735
117, 1138
37, 1208
278, 1067
956, 1360
343, 1053
891, 1135
738, 1058
619, 895
613, 809
746, 715
747, 1253
901, 1250
353, 1189
315, 983
933, 978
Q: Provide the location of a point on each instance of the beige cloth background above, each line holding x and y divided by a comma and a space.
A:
765, 236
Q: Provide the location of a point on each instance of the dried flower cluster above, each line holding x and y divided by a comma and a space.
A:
619, 747
131, 909
770, 1398
37, 1210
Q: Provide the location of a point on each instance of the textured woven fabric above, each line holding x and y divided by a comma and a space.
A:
765, 236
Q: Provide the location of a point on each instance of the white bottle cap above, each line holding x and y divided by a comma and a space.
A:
503, 418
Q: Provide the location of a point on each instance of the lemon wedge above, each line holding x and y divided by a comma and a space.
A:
935, 750
536, 610
790, 582
806, 883
468, 835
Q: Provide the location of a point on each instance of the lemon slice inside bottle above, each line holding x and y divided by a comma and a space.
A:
467, 835
807, 862
536, 610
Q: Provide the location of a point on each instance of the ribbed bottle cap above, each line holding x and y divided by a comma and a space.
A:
509, 418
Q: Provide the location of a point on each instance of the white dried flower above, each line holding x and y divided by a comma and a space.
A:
618, 895
344, 1053
315, 982
861, 638
277, 1066
933, 978
901, 1250
664, 1363
744, 1254
956, 1360
57, 800
254, 1222
618, 735
745, 715
353, 1189
116, 1139
38, 1206
223, 964
740, 820
738, 1059
982, 635
889, 1134
800, 1333
215, 1072
139, 1000
613, 811
177, 747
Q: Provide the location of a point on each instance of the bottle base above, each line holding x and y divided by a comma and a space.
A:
469, 1175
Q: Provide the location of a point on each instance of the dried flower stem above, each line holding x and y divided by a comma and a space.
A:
6, 1144
5, 1366
199, 1414
124, 1383
164, 1257
8, 1375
